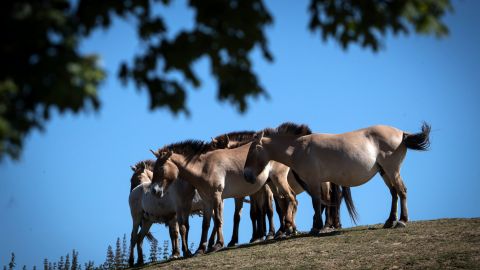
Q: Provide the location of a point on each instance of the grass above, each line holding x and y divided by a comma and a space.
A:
435, 244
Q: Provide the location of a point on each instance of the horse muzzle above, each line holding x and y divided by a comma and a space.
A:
249, 176
157, 190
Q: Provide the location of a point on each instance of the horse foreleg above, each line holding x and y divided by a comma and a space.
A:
236, 221
317, 217
173, 230
281, 182
269, 205
207, 216
281, 216
218, 220
253, 217
183, 224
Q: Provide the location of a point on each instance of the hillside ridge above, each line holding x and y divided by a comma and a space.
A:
430, 244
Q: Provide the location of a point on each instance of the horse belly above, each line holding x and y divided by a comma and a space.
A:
157, 208
350, 168
236, 186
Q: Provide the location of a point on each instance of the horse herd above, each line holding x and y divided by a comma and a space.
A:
274, 164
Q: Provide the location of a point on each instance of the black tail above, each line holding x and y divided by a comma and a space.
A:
347, 196
418, 141
150, 237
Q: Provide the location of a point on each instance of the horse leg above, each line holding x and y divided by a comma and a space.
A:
133, 241
207, 216
281, 182
236, 221
271, 224
392, 218
278, 201
183, 225
218, 220
253, 217
145, 228
213, 234
317, 217
174, 231
401, 189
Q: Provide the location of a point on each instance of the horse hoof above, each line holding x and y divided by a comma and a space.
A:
389, 224
253, 241
314, 231
231, 244
400, 224
269, 237
216, 248
199, 252
289, 230
326, 230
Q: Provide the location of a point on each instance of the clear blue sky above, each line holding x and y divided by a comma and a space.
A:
70, 188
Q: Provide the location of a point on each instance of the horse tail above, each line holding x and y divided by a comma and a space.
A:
150, 237
352, 211
418, 141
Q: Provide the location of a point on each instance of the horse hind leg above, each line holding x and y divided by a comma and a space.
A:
133, 242
397, 189
143, 232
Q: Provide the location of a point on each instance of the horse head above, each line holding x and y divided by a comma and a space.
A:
257, 158
165, 172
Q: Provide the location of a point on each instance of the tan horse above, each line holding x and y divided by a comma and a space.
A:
285, 187
147, 209
216, 175
348, 159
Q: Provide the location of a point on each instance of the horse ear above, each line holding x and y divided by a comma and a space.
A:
165, 154
155, 153
258, 137
133, 168
214, 142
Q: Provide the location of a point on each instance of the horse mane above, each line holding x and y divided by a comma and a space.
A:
189, 148
287, 128
149, 164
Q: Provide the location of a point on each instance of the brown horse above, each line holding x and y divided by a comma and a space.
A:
348, 159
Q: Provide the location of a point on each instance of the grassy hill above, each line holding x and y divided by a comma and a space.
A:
435, 244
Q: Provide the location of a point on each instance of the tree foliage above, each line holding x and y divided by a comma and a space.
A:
43, 69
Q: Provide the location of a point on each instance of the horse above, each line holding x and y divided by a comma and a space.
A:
147, 209
348, 159
285, 187
216, 174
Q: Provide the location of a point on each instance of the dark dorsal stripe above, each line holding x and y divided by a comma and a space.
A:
288, 128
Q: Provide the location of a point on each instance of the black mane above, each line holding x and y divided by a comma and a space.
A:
189, 148
287, 128
149, 164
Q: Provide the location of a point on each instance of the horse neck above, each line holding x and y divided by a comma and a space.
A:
280, 148
188, 170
